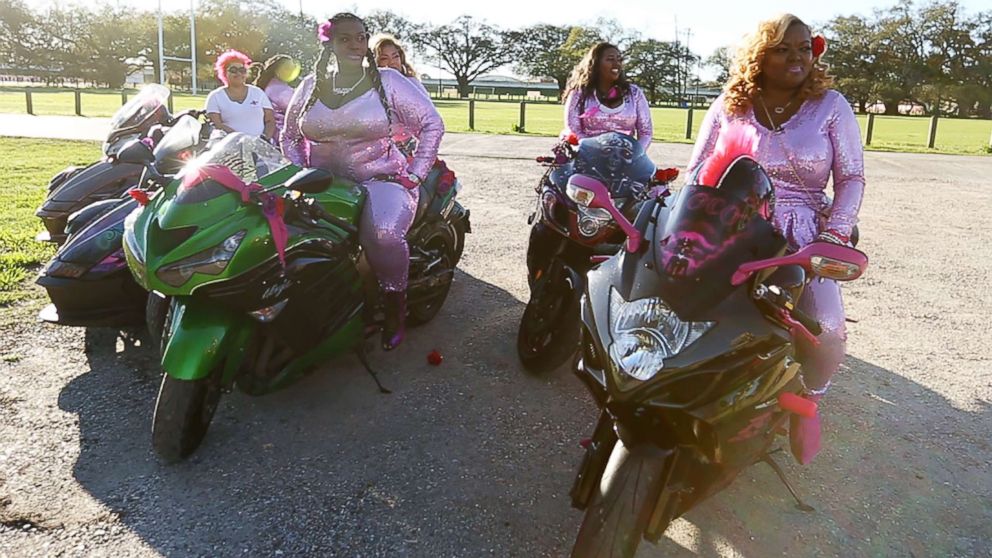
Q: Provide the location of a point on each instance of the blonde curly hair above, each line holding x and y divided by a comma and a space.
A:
381, 41
745, 71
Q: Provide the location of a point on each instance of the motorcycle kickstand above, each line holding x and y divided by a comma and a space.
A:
363, 358
767, 458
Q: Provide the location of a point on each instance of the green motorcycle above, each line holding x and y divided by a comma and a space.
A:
257, 275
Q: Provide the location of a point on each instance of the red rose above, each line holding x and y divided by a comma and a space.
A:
435, 358
665, 176
819, 46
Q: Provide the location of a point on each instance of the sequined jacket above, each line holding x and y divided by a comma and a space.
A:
355, 140
821, 140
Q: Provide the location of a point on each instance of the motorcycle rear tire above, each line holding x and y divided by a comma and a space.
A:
617, 516
445, 239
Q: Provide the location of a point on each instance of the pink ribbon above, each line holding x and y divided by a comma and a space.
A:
273, 206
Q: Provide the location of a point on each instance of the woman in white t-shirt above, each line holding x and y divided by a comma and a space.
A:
238, 106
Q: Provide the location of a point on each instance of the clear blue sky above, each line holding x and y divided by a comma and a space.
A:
713, 23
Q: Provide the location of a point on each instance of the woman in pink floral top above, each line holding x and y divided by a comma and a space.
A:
599, 98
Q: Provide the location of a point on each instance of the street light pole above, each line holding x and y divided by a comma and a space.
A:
161, 47
192, 41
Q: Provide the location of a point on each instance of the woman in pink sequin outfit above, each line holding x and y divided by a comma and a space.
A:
599, 98
342, 122
389, 53
274, 78
807, 132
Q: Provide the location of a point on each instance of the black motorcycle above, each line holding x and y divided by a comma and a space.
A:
566, 236
88, 280
76, 188
687, 347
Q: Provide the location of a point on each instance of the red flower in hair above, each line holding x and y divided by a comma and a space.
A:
819, 46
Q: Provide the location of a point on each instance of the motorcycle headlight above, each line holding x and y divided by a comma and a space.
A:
591, 220
209, 262
645, 332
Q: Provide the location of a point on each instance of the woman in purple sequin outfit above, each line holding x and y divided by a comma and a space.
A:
599, 98
342, 122
807, 132
274, 79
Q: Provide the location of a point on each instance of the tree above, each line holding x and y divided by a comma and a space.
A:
852, 57
721, 60
901, 52
17, 33
467, 48
385, 21
653, 65
552, 50
612, 31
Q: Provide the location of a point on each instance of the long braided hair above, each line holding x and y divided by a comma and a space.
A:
585, 75
324, 58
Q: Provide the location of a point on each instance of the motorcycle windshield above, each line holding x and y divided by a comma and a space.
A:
140, 107
708, 234
250, 158
616, 159
184, 135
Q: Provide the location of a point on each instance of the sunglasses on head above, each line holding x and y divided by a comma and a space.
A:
236, 70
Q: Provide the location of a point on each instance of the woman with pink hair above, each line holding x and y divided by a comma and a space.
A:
238, 106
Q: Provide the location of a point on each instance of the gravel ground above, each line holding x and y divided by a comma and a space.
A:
475, 457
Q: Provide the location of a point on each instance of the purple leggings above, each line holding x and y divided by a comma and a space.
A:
387, 216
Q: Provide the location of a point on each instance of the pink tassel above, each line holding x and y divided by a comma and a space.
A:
736, 139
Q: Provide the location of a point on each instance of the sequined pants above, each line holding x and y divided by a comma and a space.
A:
387, 216
821, 300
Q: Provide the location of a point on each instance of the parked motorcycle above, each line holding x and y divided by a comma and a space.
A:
87, 280
565, 235
687, 347
260, 276
76, 188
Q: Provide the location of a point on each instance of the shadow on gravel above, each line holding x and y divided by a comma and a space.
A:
903, 472
476, 457
332, 467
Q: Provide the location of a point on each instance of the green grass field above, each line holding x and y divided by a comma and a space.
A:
22, 189
892, 133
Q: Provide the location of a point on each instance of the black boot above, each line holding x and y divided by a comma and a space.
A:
394, 328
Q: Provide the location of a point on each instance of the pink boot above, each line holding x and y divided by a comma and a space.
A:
804, 435
394, 329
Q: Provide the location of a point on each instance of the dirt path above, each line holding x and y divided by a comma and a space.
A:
476, 458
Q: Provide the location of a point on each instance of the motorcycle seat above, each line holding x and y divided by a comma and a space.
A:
428, 191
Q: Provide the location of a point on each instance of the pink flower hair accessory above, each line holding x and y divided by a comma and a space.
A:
324, 31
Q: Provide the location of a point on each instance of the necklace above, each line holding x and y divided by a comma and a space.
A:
345, 90
776, 128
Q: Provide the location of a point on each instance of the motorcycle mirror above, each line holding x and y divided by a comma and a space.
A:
136, 152
589, 192
824, 259
310, 181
